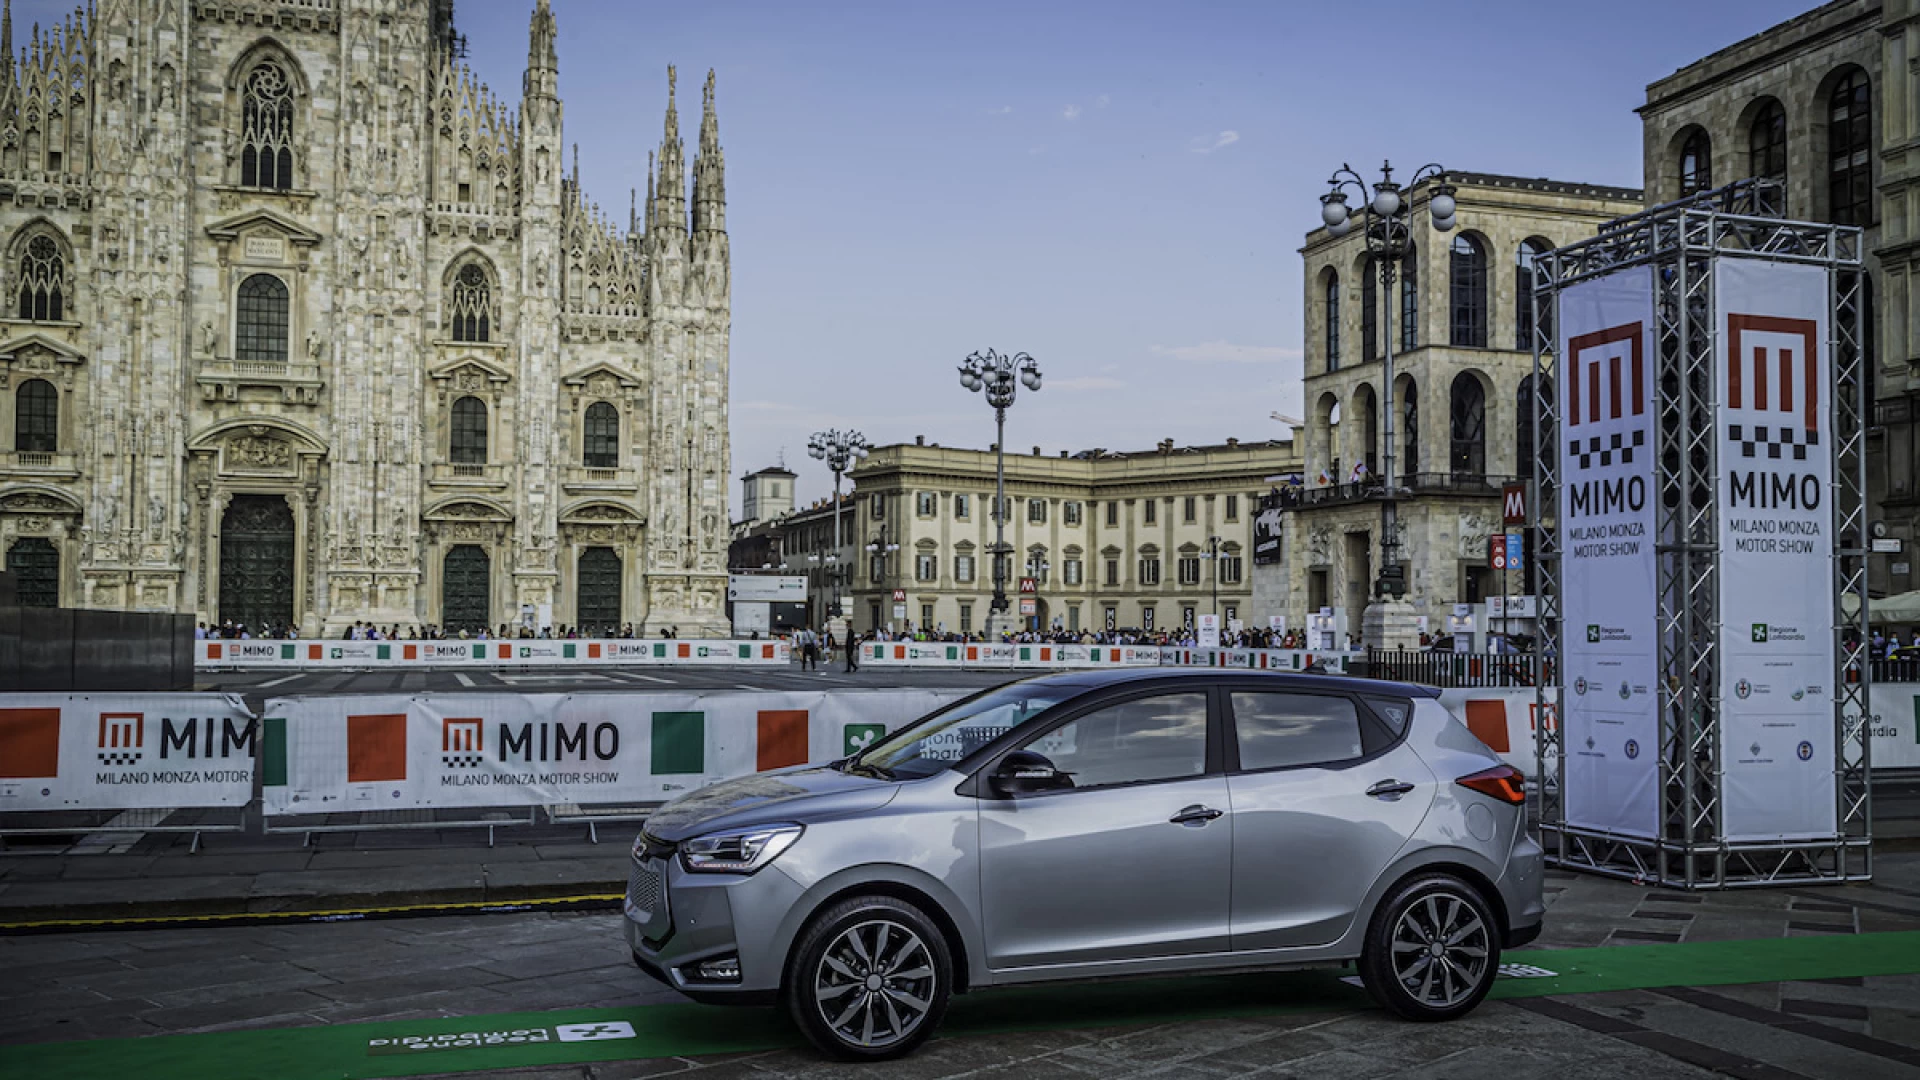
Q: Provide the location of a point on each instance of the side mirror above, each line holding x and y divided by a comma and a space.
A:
1024, 772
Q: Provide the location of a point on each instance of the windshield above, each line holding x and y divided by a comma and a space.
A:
936, 742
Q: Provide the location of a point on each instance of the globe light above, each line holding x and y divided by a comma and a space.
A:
1343, 228
1441, 205
1386, 200
816, 452
1333, 208
1444, 224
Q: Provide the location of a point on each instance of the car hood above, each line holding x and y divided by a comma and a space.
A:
799, 795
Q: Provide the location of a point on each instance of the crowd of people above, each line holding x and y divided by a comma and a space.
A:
362, 630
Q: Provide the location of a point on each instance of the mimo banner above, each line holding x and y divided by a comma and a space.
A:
124, 751
389, 752
626, 652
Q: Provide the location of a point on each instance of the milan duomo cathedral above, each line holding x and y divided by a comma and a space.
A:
303, 325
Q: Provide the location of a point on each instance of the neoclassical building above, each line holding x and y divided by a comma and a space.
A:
304, 324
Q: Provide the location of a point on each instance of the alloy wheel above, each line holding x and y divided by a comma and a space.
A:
875, 983
1440, 949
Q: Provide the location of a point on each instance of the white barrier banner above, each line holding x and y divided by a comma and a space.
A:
124, 751
502, 653
388, 752
1606, 392
1895, 726
1047, 656
1505, 720
1775, 440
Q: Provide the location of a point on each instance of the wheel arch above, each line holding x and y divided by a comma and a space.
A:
926, 894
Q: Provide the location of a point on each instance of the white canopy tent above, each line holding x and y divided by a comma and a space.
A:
1902, 609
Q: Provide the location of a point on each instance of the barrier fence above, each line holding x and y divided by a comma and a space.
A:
1046, 656
625, 652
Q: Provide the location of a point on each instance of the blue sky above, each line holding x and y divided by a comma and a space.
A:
1118, 188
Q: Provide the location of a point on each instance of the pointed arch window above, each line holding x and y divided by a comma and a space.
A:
36, 417
1469, 427
1696, 164
260, 324
266, 128
1409, 300
1767, 143
470, 305
1530, 250
1369, 313
1409, 397
1333, 321
1850, 151
1469, 292
43, 276
469, 441
602, 436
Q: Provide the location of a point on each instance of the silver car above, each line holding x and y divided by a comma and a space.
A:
1090, 825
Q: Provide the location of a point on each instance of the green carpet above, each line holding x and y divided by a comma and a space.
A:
350, 1051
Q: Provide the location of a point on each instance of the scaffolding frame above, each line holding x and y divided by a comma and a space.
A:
1682, 241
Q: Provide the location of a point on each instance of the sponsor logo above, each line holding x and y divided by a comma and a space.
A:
464, 1040
1633, 749
336, 653
1773, 380
1626, 690
857, 737
461, 742
122, 738
618, 1029
1580, 686
552, 741
1799, 694
1743, 689
1754, 749
1804, 750
1593, 633
1759, 633
1590, 743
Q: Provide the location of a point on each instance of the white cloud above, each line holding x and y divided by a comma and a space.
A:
1212, 352
1102, 101
1087, 382
1207, 144
1071, 112
1001, 111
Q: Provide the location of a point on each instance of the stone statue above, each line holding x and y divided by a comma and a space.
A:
206, 338
156, 515
315, 345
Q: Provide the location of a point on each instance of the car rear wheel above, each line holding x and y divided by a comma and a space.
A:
1432, 950
869, 979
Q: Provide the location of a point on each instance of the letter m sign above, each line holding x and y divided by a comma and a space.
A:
1513, 504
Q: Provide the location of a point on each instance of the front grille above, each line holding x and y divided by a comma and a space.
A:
643, 889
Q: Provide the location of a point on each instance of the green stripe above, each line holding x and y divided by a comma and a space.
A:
676, 1030
679, 743
273, 751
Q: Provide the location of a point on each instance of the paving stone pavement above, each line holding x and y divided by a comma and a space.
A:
119, 984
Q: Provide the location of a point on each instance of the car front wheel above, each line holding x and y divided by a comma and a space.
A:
869, 979
1432, 950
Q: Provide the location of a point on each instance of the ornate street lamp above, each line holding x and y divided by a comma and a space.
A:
841, 450
1037, 567
880, 548
1387, 218
1212, 555
995, 376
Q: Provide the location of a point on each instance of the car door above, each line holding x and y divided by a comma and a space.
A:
1325, 795
1133, 861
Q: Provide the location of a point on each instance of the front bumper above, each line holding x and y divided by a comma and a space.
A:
674, 920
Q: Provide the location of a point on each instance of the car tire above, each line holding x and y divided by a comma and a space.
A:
830, 990
1432, 950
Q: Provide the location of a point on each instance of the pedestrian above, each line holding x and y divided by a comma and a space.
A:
853, 650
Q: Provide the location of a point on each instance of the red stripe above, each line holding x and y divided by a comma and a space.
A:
1786, 380
1613, 379
1760, 375
1593, 392
1573, 390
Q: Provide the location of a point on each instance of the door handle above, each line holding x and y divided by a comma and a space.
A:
1389, 790
1195, 815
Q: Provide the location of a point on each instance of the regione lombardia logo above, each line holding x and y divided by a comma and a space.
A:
1606, 380
460, 742
1773, 378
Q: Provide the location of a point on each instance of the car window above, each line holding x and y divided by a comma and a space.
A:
937, 741
1394, 712
1155, 738
1280, 730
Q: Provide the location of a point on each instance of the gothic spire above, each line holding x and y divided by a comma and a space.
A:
709, 170
6, 44
543, 59
670, 206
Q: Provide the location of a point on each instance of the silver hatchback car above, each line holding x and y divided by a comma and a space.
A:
1091, 825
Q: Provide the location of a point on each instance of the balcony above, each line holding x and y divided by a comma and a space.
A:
1456, 484
292, 384
580, 480
40, 465
469, 477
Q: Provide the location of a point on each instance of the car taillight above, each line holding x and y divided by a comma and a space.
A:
1503, 782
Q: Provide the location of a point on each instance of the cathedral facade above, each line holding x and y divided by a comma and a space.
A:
304, 325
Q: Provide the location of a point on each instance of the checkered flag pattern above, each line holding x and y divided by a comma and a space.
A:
1606, 450
1772, 442
119, 757
461, 761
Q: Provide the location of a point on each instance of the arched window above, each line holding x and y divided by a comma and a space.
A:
1529, 250
43, 276
1409, 398
1333, 322
36, 417
1468, 427
1468, 292
1369, 312
1409, 301
1370, 434
1767, 143
1533, 445
469, 444
470, 305
266, 128
1850, 150
261, 327
35, 565
1696, 164
603, 438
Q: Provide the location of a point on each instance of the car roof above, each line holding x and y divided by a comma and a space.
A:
1093, 679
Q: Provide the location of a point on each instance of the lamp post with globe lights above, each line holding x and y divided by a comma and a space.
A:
1387, 221
841, 450
997, 376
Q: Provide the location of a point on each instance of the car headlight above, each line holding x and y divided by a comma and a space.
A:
737, 851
